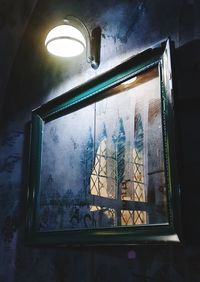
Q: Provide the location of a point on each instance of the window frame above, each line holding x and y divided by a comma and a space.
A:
79, 97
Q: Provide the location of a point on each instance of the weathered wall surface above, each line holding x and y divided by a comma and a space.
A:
128, 27
13, 19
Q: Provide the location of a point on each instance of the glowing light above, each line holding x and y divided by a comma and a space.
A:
65, 41
129, 81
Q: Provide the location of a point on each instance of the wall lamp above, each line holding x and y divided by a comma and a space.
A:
71, 38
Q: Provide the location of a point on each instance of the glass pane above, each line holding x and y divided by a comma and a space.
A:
103, 165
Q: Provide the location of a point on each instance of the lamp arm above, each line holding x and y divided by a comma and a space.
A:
92, 41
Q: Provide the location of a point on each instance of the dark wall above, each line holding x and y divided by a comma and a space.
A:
128, 27
14, 17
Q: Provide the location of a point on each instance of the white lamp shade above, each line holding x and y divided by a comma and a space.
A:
65, 41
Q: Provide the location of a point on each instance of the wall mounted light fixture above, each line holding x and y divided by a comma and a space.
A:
71, 37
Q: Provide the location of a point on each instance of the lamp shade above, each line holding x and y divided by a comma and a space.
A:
65, 41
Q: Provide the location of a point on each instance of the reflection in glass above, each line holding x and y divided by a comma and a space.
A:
108, 166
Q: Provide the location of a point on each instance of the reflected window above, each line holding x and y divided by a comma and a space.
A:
111, 170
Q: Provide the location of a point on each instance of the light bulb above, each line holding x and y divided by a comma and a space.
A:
65, 41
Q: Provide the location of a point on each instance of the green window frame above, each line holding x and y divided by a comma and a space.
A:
133, 222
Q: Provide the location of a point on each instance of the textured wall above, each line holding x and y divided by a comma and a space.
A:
128, 27
14, 16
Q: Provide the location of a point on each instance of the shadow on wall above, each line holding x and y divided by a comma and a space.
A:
187, 105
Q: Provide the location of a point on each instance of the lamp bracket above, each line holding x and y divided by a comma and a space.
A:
93, 41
